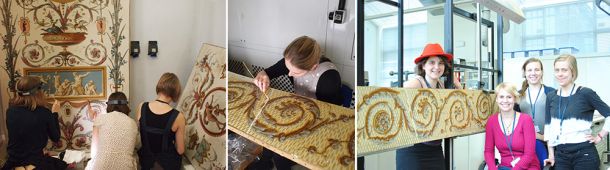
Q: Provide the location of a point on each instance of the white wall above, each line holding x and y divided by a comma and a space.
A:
260, 30
180, 27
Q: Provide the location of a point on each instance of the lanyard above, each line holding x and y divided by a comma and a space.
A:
509, 142
533, 106
562, 113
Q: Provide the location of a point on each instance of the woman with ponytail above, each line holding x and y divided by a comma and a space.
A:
533, 101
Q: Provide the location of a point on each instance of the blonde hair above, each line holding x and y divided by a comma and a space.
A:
169, 85
303, 52
571, 63
525, 85
29, 93
510, 88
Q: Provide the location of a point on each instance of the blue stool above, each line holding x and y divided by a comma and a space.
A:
347, 95
541, 152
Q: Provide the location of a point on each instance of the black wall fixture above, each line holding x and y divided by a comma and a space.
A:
134, 49
338, 16
153, 49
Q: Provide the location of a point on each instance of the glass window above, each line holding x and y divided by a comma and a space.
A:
546, 26
603, 42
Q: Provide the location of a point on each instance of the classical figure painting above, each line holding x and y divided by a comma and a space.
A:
72, 82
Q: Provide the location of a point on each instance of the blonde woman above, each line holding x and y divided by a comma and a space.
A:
569, 118
511, 132
312, 74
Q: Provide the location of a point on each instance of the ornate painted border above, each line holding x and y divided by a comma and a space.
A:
392, 118
315, 134
203, 104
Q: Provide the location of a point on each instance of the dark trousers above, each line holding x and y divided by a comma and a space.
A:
167, 160
43, 162
576, 156
420, 156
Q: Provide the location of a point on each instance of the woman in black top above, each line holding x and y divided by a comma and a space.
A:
569, 118
312, 75
431, 65
30, 125
162, 127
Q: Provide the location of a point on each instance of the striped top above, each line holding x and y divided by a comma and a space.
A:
577, 117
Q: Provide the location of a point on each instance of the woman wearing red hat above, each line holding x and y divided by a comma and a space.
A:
432, 64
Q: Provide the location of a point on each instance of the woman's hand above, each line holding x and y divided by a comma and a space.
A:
262, 81
92, 114
540, 136
550, 161
56, 107
456, 81
594, 139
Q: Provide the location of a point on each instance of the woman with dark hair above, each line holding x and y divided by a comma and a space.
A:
30, 125
115, 137
162, 127
432, 64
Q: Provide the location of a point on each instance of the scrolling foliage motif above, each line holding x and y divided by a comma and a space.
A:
397, 117
302, 129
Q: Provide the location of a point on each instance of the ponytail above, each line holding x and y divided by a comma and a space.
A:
524, 86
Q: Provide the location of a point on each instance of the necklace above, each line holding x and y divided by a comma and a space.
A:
508, 124
506, 131
162, 101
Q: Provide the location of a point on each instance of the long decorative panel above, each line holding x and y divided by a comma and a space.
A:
392, 118
315, 134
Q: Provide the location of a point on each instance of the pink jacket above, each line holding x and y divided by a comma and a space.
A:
523, 143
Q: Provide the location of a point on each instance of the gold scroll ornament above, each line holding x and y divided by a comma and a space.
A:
315, 134
392, 118
203, 104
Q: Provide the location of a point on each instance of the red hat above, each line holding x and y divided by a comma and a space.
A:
433, 50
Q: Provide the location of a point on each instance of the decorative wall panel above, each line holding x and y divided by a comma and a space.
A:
41, 36
203, 102
391, 118
315, 134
